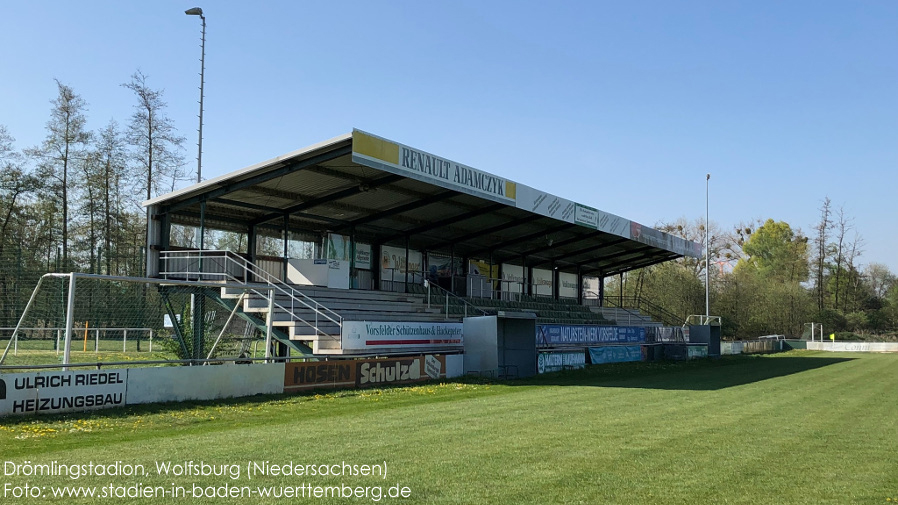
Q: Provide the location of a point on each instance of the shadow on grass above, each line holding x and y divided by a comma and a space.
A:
698, 375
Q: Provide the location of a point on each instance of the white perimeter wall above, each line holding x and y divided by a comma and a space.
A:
854, 346
211, 382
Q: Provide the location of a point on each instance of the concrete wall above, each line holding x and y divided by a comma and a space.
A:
854, 346
212, 382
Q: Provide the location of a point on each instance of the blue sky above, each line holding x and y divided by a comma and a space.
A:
624, 106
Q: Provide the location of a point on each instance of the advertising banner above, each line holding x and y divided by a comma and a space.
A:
539, 202
56, 392
556, 361
616, 225
372, 335
383, 154
542, 282
362, 373
567, 287
393, 266
587, 216
697, 351
512, 278
548, 335
615, 354
442, 266
338, 247
363, 256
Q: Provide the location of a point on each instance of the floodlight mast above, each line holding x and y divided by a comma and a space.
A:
196, 11
707, 249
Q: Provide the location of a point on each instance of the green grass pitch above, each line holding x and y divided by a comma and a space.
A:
797, 427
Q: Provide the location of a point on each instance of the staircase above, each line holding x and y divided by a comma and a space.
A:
310, 315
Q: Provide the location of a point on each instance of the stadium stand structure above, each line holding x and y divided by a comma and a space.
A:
361, 228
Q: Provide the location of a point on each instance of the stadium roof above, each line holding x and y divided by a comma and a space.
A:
386, 193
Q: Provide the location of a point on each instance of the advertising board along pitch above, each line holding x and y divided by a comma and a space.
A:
363, 372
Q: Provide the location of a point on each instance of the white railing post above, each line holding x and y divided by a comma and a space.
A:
268, 325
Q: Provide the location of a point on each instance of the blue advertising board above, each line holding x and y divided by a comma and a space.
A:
615, 354
548, 335
555, 361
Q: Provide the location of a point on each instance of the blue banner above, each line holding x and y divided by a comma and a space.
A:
615, 354
556, 361
548, 335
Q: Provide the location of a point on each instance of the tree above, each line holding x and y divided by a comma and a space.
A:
842, 226
776, 252
821, 246
879, 278
775, 266
157, 145
112, 166
64, 146
14, 183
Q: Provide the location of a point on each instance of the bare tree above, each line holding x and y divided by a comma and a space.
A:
157, 145
842, 226
64, 146
879, 278
112, 164
821, 245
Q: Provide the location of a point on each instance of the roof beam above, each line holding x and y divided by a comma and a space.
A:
623, 263
330, 197
488, 231
245, 205
229, 187
562, 243
585, 250
525, 238
423, 201
449, 220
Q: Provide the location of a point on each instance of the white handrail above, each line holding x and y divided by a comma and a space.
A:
249, 269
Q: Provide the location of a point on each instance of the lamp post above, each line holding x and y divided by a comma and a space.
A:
197, 303
196, 11
707, 249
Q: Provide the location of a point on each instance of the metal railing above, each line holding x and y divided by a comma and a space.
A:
59, 330
228, 266
428, 285
703, 320
631, 315
645, 307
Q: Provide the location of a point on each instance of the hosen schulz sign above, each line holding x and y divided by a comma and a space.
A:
56, 392
362, 373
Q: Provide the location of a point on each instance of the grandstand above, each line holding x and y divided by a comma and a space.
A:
363, 229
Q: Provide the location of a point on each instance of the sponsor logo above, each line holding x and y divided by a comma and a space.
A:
389, 371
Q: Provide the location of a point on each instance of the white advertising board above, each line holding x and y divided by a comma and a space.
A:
363, 256
374, 335
616, 225
543, 282
567, 287
540, 202
393, 266
512, 278
57, 392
